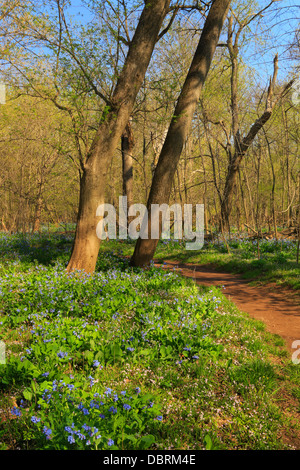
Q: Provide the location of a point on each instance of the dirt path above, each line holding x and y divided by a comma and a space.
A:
277, 308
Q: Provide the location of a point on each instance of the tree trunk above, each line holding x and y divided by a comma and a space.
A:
37, 215
114, 120
180, 124
127, 145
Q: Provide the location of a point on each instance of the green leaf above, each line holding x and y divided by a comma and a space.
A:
147, 441
208, 442
145, 352
27, 394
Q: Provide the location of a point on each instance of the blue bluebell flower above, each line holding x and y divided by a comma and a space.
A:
34, 419
71, 439
47, 432
62, 354
15, 411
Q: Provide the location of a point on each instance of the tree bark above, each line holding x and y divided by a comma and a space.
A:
180, 124
127, 145
114, 120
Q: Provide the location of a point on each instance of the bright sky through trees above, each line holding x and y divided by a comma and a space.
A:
277, 25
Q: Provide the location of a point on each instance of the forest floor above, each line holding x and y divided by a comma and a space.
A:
206, 361
277, 307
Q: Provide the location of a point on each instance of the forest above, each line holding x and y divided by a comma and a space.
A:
105, 342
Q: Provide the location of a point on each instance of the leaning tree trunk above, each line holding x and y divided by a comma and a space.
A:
114, 120
127, 144
180, 124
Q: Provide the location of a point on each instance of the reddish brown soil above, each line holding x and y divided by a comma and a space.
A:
277, 307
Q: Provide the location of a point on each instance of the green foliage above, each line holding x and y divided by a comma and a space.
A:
126, 358
277, 261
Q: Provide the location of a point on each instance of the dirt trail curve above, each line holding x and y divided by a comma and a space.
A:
277, 307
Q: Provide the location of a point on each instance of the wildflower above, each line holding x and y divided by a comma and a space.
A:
47, 432
159, 418
94, 404
34, 419
113, 410
62, 354
69, 429
130, 349
110, 442
71, 439
92, 380
15, 411
137, 390
126, 407
94, 431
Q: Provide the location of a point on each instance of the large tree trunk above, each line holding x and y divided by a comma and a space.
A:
127, 145
114, 120
180, 124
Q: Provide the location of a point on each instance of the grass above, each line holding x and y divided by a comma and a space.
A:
133, 359
276, 262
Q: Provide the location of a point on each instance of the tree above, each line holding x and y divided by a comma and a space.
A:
127, 144
38, 182
72, 76
180, 124
242, 144
114, 120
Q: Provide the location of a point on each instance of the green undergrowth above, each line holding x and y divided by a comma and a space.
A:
131, 358
275, 263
